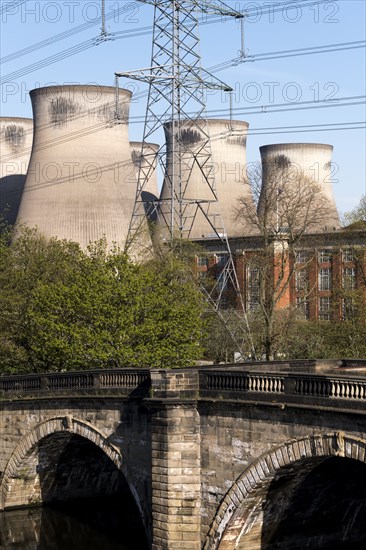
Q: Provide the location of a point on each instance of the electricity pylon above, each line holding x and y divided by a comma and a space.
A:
177, 100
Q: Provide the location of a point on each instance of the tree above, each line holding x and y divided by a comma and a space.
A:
287, 205
27, 260
358, 214
218, 343
325, 340
61, 309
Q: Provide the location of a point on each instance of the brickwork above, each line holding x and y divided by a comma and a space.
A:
248, 250
281, 273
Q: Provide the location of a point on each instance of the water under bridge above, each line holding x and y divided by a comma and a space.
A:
250, 456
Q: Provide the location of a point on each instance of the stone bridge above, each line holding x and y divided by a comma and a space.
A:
251, 456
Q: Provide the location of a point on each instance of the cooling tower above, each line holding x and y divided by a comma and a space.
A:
79, 184
288, 170
16, 136
146, 159
228, 149
150, 158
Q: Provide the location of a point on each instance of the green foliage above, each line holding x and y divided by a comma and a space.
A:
358, 214
218, 343
295, 338
328, 340
61, 309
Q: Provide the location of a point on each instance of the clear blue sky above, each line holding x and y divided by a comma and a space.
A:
258, 85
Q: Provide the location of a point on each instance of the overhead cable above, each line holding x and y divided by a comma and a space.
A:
248, 12
216, 68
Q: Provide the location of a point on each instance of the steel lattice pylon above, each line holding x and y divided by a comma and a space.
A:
177, 100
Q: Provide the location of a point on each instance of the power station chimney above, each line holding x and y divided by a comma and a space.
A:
79, 184
228, 149
297, 183
16, 136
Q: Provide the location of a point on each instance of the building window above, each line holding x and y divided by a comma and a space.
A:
348, 255
301, 257
324, 255
222, 283
301, 280
201, 261
325, 279
253, 275
221, 259
324, 312
302, 306
349, 278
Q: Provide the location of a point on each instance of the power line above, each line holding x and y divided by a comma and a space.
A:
276, 108
218, 113
287, 110
255, 131
59, 56
296, 106
223, 66
14, 3
340, 126
289, 53
62, 36
119, 35
321, 127
289, 106
270, 9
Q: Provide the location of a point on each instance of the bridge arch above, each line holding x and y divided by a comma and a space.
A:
23, 458
242, 506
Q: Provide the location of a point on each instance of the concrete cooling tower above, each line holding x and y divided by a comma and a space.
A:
151, 150
295, 167
148, 163
79, 184
16, 136
228, 149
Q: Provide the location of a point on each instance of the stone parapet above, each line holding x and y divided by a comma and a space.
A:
182, 383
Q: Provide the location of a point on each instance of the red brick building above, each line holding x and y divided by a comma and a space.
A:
321, 276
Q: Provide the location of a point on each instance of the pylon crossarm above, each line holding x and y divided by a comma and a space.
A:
216, 7
203, 6
146, 77
155, 68
154, 74
209, 80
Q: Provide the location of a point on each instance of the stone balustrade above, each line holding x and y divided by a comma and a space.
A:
282, 382
118, 380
